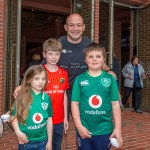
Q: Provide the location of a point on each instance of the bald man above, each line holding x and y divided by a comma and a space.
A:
74, 43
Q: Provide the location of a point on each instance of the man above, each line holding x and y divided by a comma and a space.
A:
73, 44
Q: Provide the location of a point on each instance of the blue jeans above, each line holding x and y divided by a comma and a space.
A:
33, 146
57, 136
97, 142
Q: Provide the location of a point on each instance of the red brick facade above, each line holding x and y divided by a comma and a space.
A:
3, 42
85, 12
144, 53
96, 20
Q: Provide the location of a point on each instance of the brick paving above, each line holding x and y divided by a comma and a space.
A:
135, 128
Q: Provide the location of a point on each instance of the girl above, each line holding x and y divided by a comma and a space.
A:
32, 112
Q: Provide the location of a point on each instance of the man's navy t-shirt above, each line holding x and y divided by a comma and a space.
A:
72, 58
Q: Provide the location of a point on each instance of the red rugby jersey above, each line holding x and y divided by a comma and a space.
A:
57, 84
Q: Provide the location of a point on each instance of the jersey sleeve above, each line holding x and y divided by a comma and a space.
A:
114, 90
76, 91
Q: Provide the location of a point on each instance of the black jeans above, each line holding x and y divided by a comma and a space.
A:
136, 96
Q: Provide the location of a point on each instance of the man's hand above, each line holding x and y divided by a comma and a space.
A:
112, 73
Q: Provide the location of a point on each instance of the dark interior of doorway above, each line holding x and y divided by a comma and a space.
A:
33, 48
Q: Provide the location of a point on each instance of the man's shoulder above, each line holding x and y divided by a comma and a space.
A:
63, 38
86, 39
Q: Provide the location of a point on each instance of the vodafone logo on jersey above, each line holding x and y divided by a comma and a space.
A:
37, 118
95, 101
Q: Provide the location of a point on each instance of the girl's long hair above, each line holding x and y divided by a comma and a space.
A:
24, 97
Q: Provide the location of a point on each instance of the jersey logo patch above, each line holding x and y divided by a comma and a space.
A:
85, 82
95, 101
37, 118
64, 51
106, 82
44, 106
62, 80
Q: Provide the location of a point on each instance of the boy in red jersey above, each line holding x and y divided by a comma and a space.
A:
56, 89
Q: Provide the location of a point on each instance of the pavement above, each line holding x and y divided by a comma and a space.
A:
135, 130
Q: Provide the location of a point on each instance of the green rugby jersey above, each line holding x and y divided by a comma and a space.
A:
36, 122
94, 95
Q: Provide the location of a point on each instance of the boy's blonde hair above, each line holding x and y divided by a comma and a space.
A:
52, 45
95, 47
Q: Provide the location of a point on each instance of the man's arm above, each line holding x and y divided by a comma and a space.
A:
109, 70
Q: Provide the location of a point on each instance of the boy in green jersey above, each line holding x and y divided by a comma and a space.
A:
95, 98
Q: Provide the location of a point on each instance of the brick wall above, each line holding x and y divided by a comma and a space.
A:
131, 33
103, 24
117, 43
104, 31
144, 54
3, 4
11, 56
96, 20
85, 12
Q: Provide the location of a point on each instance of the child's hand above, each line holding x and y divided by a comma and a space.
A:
117, 134
17, 89
84, 133
66, 124
49, 146
22, 138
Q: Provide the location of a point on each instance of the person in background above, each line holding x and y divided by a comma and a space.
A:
116, 69
56, 89
36, 59
133, 74
32, 112
95, 98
